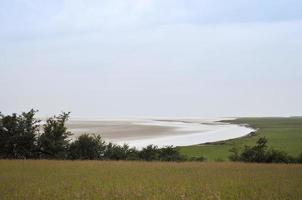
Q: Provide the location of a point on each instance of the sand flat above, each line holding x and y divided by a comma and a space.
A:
118, 129
160, 132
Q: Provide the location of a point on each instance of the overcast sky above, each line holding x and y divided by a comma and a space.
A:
143, 58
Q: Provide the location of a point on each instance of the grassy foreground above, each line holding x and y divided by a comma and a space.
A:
42, 179
282, 133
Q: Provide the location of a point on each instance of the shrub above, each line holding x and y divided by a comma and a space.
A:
275, 156
260, 153
116, 152
149, 153
299, 159
132, 154
87, 147
169, 153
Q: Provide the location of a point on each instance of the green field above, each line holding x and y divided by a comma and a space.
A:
42, 179
282, 133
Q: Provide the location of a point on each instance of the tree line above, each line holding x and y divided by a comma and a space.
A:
24, 137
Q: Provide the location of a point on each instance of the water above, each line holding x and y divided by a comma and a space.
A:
188, 134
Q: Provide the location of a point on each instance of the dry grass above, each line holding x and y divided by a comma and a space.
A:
147, 180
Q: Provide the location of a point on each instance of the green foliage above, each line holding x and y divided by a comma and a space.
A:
54, 141
116, 152
256, 153
149, 153
169, 153
299, 159
18, 135
275, 156
261, 154
132, 154
87, 147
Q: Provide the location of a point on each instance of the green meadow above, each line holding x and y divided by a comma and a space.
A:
283, 134
46, 179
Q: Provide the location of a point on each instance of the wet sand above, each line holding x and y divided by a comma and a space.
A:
112, 130
163, 132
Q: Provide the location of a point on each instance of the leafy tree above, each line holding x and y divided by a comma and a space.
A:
132, 154
149, 153
169, 153
275, 156
87, 147
18, 135
261, 154
54, 141
256, 153
116, 152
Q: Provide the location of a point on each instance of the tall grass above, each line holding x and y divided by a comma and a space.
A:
28, 179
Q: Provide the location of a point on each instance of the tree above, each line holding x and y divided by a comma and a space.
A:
261, 154
256, 153
275, 156
87, 147
18, 135
116, 152
53, 142
169, 153
149, 153
132, 154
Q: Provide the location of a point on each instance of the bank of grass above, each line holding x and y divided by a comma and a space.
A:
282, 133
42, 179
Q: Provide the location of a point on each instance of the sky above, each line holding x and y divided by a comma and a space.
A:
151, 58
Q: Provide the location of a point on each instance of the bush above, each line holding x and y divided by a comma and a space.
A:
149, 153
260, 154
299, 159
275, 156
132, 154
116, 152
169, 153
87, 147
256, 153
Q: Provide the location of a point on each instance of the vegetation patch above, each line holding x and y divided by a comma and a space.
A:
50, 179
283, 133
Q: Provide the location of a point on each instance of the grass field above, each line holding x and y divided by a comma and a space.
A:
41, 179
282, 133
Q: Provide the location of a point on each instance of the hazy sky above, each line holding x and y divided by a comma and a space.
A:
142, 58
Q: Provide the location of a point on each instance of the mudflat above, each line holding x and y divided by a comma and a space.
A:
113, 130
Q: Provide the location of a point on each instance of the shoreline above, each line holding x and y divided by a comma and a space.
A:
162, 132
